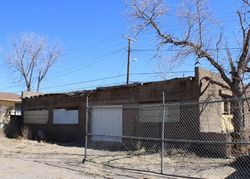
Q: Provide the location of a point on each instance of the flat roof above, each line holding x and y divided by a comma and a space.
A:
113, 87
9, 97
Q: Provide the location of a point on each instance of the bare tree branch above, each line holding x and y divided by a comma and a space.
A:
211, 81
196, 19
197, 41
231, 61
47, 63
244, 55
241, 24
32, 55
247, 2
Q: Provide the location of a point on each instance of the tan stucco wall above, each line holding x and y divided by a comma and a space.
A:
4, 105
211, 114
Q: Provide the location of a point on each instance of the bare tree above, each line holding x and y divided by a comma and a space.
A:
247, 2
31, 56
197, 40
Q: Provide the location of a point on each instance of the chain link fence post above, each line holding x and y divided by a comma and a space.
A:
163, 131
86, 129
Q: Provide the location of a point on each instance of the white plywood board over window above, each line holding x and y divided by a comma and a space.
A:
36, 117
64, 116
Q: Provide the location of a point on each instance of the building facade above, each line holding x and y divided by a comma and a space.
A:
62, 117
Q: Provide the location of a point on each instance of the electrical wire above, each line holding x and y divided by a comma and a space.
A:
106, 78
85, 64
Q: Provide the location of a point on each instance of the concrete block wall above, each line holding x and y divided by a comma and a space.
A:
175, 90
57, 132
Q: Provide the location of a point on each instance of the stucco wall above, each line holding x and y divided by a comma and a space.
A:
4, 106
210, 113
211, 127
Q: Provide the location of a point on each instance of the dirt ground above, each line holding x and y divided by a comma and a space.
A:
30, 159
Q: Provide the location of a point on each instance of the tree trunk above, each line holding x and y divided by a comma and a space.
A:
238, 119
28, 88
237, 107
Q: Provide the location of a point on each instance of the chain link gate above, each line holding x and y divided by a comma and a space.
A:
179, 138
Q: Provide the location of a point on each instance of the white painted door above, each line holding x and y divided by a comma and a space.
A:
106, 121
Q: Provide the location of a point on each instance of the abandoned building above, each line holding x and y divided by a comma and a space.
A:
62, 116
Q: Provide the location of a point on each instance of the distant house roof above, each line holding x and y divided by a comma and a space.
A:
9, 97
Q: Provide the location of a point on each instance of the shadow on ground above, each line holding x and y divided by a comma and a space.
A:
242, 167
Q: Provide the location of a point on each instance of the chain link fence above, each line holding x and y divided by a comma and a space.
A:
208, 139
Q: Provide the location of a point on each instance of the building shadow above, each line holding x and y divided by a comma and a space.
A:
242, 168
13, 128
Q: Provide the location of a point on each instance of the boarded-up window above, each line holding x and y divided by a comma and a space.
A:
36, 117
64, 116
173, 112
148, 113
154, 113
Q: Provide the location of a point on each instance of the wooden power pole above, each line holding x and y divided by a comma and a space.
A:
129, 52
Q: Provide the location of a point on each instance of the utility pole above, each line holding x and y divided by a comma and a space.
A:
129, 52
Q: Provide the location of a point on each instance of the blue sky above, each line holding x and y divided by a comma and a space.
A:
91, 35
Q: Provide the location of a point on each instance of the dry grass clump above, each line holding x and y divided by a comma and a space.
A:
25, 133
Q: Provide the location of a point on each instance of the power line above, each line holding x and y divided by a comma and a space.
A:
83, 53
92, 49
120, 62
7, 87
89, 47
82, 82
89, 87
110, 77
97, 42
76, 67
121, 68
79, 66
102, 79
178, 50
106, 85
